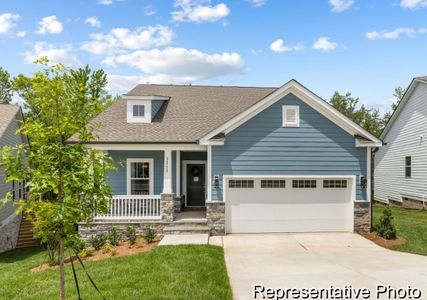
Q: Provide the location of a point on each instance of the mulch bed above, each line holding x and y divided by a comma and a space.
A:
372, 236
123, 249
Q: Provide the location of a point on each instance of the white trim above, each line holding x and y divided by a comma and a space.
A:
360, 143
285, 122
184, 175
145, 98
151, 173
178, 172
135, 119
305, 95
209, 174
167, 172
368, 174
152, 147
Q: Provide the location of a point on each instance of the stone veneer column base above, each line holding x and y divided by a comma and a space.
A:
215, 215
362, 216
167, 207
9, 232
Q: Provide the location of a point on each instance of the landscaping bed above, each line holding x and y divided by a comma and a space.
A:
411, 226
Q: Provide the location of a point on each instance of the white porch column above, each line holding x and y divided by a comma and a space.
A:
178, 172
209, 174
167, 172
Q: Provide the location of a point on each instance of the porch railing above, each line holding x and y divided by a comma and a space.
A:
132, 207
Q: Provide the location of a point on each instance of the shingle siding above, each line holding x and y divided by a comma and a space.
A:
261, 146
404, 139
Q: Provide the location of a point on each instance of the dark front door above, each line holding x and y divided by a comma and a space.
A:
196, 185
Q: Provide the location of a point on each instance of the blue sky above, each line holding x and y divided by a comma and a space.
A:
364, 47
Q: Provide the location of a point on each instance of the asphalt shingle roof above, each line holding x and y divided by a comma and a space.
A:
7, 115
191, 113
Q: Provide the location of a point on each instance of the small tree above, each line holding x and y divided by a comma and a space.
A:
386, 228
66, 181
6, 91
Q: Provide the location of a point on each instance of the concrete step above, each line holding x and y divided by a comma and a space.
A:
191, 221
179, 229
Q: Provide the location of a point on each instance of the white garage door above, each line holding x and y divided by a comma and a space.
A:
288, 204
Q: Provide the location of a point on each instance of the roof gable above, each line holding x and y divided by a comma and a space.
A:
309, 98
8, 114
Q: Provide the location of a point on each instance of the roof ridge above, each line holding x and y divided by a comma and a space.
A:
205, 85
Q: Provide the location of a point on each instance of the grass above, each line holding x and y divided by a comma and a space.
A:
410, 224
166, 272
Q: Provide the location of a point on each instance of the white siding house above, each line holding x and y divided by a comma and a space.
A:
401, 164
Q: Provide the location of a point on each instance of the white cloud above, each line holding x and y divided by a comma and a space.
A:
279, 46
149, 10
123, 83
394, 34
105, 2
257, 3
119, 39
56, 55
180, 63
93, 21
324, 43
49, 25
340, 5
198, 11
21, 34
413, 4
7, 22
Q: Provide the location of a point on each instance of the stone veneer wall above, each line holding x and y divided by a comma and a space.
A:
167, 207
362, 216
215, 214
87, 231
9, 233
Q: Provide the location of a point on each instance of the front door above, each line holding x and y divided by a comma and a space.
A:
196, 185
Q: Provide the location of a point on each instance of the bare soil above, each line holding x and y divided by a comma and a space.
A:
389, 244
123, 249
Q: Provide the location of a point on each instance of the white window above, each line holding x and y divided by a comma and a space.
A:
138, 110
140, 176
290, 116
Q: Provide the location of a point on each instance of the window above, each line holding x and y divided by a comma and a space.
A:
408, 166
138, 110
334, 183
290, 116
304, 183
273, 183
140, 176
241, 184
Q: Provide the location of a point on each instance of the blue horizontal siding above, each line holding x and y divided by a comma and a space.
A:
261, 146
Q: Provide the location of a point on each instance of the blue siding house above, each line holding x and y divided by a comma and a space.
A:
234, 159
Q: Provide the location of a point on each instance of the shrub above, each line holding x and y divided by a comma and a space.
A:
114, 236
385, 227
113, 251
76, 244
107, 248
86, 252
140, 243
98, 241
131, 234
150, 234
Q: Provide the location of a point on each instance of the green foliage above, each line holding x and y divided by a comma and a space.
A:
6, 91
369, 119
106, 249
76, 244
86, 252
131, 234
385, 227
113, 236
150, 234
98, 241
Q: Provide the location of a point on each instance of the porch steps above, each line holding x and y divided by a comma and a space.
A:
26, 238
187, 226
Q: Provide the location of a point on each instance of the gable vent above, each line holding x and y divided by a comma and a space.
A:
290, 116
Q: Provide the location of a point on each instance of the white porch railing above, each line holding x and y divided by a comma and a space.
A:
132, 207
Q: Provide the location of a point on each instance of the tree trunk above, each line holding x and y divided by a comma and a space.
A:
61, 268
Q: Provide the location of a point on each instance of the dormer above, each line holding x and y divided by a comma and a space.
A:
143, 109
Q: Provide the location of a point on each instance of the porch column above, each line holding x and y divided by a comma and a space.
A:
209, 174
178, 173
167, 172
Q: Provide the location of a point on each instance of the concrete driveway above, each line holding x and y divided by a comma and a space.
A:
318, 260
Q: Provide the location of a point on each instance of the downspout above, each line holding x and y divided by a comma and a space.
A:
373, 151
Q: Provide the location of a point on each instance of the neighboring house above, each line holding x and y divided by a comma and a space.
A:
401, 164
256, 159
10, 116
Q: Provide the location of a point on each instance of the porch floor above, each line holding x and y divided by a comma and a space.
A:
190, 215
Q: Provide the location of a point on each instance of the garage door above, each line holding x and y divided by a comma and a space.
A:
288, 204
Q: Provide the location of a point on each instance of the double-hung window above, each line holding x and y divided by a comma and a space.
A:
140, 176
138, 110
408, 166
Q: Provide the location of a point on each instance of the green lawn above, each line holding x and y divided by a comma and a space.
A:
410, 224
167, 272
